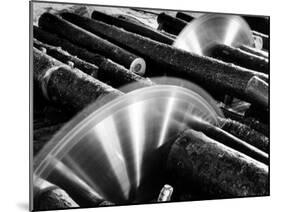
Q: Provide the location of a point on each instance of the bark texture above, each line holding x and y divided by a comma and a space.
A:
216, 170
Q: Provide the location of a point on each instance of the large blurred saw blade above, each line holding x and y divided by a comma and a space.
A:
113, 148
206, 31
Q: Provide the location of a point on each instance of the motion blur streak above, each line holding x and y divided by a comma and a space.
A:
111, 146
136, 115
167, 117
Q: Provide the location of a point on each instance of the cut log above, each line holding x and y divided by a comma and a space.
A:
184, 16
65, 57
170, 24
165, 193
109, 71
92, 42
68, 87
258, 90
239, 57
248, 121
208, 72
245, 133
51, 197
255, 51
215, 170
132, 27
258, 23
220, 135
265, 39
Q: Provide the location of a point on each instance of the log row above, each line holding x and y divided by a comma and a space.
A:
208, 72
92, 42
208, 169
114, 74
239, 57
132, 27
251, 122
245, 133
66, 86
65, 57
225, 136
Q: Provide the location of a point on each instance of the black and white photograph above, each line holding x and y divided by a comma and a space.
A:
138, 105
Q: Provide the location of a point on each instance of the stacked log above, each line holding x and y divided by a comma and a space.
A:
228, 160
241, 58
213, 74
132, 27
245, 133
214, 170
65, 57
109, 71
92, 42
230, 136
67, 86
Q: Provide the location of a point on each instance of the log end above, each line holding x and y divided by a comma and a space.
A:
138, 66
257, 89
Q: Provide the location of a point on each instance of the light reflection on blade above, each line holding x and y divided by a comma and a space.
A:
200, 35
138, 135
167, 117
111, 145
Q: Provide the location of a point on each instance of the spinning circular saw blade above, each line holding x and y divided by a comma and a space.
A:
206, 31
113, 148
